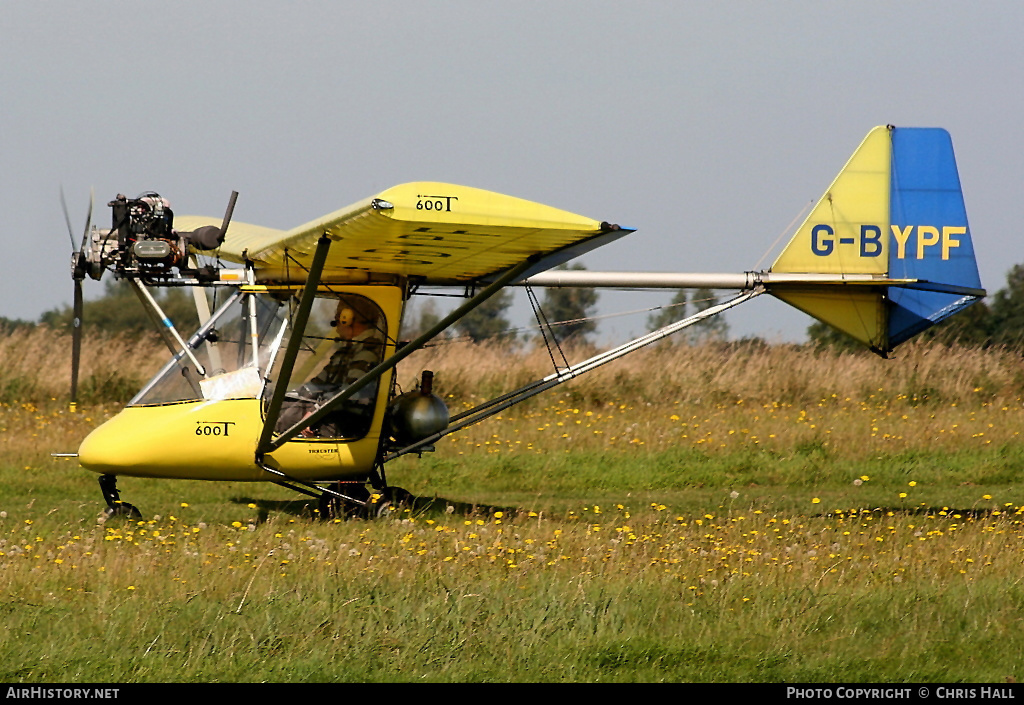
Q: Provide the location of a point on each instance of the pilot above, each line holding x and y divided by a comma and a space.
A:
356, 322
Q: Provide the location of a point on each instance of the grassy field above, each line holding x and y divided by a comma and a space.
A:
720, 513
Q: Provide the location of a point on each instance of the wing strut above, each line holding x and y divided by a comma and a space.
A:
500, 403
323, 245
168, 332
204, 313
267, 446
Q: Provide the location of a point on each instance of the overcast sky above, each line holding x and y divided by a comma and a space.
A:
708, 126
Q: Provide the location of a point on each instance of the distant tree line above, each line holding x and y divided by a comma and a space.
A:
713, 329
119, 311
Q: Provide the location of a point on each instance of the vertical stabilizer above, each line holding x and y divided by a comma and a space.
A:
896, 214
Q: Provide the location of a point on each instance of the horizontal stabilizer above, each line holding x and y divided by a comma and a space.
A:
896, 214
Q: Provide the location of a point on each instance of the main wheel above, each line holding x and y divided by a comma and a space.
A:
123, 509
394, 499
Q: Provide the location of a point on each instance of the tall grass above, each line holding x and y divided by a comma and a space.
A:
35, 365
715, 372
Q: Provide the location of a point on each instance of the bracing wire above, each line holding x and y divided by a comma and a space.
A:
785, 231
545, 328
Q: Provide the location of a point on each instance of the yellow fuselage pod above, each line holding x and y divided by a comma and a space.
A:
216, 439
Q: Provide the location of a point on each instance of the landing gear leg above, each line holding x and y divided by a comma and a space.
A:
115, 507
353, 502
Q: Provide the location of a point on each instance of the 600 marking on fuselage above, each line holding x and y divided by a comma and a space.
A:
869, 239
213, 428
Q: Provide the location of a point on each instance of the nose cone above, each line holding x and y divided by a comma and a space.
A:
115, 448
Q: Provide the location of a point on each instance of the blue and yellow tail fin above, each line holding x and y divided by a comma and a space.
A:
887, 251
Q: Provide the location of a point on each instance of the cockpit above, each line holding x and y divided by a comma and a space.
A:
236, 353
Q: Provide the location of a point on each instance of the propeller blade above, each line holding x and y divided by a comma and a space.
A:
76, 342
78, 267
88, 219
67, 218
228, 213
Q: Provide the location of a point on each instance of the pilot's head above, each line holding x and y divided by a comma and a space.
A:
354, 315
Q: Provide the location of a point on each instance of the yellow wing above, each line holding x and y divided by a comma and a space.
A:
441, 233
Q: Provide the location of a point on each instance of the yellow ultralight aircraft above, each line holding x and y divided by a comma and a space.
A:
290, 376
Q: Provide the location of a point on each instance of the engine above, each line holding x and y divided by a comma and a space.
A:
142, 242
146, 241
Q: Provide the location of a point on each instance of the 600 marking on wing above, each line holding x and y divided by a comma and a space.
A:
435, 203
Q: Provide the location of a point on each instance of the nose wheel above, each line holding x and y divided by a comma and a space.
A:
115, 507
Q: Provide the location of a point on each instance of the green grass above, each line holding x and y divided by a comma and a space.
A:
380, 629
293, 600
691, 479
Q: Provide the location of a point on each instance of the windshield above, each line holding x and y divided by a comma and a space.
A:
234, 347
